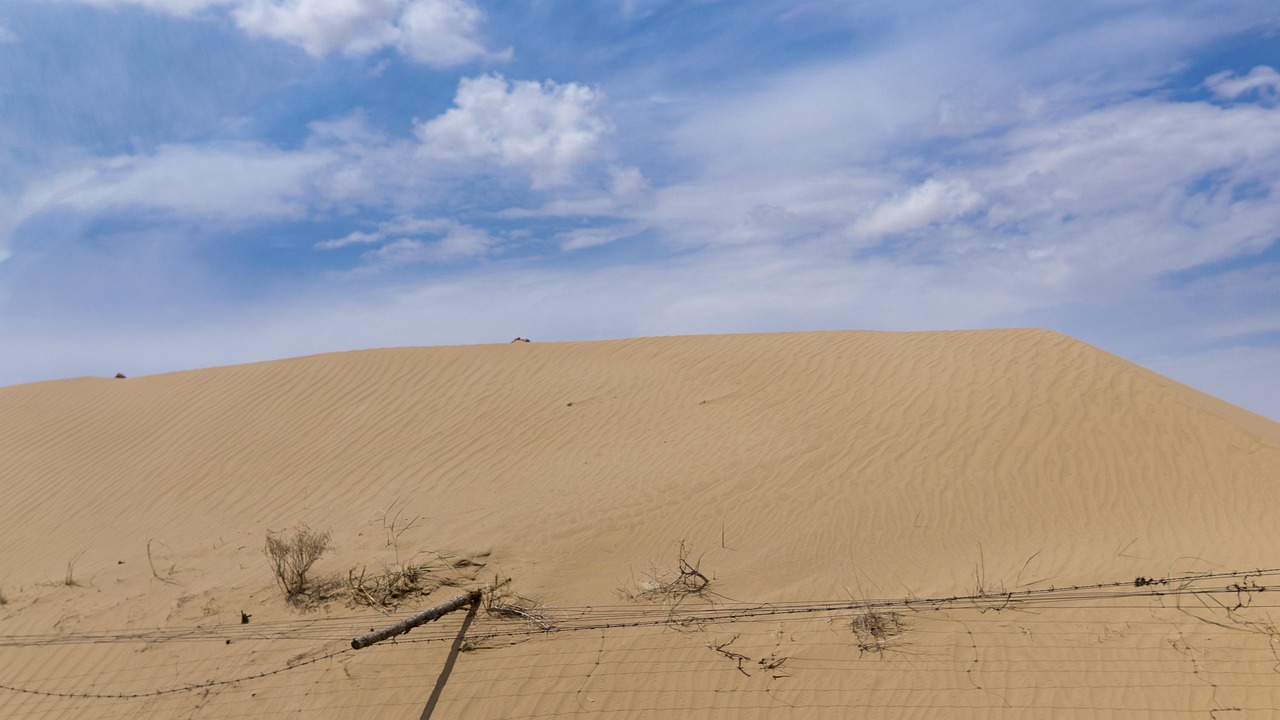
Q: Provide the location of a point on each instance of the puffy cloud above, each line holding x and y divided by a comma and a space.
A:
439, 33
435, 32
323, 26
543, 128
1262, 82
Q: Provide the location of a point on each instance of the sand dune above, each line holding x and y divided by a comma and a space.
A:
807, 471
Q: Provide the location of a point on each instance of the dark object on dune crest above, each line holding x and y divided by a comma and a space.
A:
120, 376
520, 339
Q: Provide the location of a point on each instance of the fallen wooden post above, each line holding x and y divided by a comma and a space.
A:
426, 616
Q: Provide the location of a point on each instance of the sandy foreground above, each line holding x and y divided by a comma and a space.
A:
982, 524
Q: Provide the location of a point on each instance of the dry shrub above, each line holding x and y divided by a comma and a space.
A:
877, 630
670, 586
293, 555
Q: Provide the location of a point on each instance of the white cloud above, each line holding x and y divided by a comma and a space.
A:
442, 33
356, 27
932, 202
582, 238
434, 32
410, 240
168, 7
439, 33
231, 182
545, 129
1141, 187
1262, 82
627, 193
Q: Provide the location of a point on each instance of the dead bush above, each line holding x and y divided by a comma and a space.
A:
292, 555
670, 586
877, 630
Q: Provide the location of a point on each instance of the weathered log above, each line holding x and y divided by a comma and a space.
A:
426, 616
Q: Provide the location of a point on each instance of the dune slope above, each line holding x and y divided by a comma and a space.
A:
795, 468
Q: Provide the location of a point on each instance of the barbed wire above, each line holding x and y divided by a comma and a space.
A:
1108, 595
175, 690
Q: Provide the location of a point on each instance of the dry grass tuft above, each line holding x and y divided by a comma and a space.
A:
398, 582
402, 580
292, 556
498, 600
69, 579
878, 630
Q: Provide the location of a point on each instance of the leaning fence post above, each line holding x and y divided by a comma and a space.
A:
426, 616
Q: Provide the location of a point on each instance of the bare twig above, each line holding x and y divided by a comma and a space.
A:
70, 578
673, 585
152, 563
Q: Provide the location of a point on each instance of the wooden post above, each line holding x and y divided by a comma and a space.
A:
426, 616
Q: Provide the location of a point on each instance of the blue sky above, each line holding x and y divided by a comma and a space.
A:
186, 183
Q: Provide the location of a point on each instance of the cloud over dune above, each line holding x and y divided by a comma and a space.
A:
1107, 170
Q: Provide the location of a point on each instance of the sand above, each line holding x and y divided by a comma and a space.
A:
806, 474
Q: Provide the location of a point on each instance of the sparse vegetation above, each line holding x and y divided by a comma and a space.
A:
877, 630
670, 586
399, 579
397, 582
395, 523
736, 657
69, 579
499, 600
292, 555
151, 562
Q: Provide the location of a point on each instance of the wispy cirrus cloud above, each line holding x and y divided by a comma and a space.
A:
539, 131
412, 240
1262, 82
931, 203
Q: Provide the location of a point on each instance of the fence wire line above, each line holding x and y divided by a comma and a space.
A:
603, 618
607, 616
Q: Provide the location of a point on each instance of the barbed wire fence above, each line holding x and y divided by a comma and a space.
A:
1198, 645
